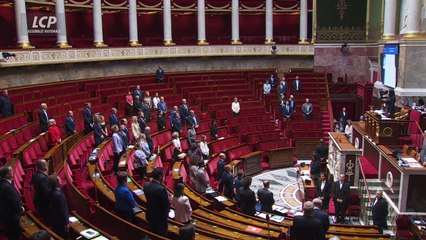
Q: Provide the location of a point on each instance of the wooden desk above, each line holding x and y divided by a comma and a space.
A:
30, 225
280, 157
82, 225
252, 162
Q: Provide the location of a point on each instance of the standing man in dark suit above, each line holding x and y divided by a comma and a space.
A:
247, 198
176, 124
141, 121
193, 119
324, 191
184, 112
380, 212
315, 168
343, 116
97, 132
58, 206
220, 170
113, 118
292, 103
340, 197
307, 227
10, 204
69, 124
43, 118
322, 149
282, 88
41, 189
297, 86
272, 81
137, 105
307, 110
137, 92
321, 215
159, 75
266, 197
158, 204
149, 139
146, 109
228, 182
88, 118
5, 104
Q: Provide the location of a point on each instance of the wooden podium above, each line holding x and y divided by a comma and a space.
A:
280, 157
380, 129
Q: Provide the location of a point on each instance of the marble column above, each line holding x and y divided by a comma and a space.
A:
235, 22
269, 27
201, 20
411, 19
389, 20
303, 24
167, 22
61, 26
97, 24
133, 24
21, 24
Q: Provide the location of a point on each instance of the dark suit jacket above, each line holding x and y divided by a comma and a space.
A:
228, 184
58, 207
247, 201
282, 89
88, 119
69, 126
322, 150
292, 105
323, 217
5, 106
142, 124
39, 182
266, 199
380, 213
325, 193
113, 119
341, 193
159, 75
297, 87
307, 227
213, 131
184, 112
137, 92
97, 134
43, 120
177, 125
158, 204
150, 142
146, 109
10, 202
220, 169
192, 120
137, 107
286, 111
315, 168
272, 81
344, 116
161, 123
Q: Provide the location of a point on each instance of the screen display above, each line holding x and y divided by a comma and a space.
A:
389, 64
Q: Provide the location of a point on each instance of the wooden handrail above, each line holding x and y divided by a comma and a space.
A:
365, 181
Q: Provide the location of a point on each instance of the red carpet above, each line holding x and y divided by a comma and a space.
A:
369, 170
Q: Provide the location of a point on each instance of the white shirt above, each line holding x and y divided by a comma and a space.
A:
176, 143
236, 107
266, 88
204, 148
155, 100
183, 209
322, 185
348, 130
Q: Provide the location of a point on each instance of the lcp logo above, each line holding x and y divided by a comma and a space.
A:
42, 23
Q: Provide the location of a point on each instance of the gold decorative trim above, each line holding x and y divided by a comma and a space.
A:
99, 44
269, 41
80, 55
367, 20
412, 36
382, 18
339, 34
25, 45
63, 45
314, 12
236, 42
202, 42
134, 44
388, 37
169, 43
303, 41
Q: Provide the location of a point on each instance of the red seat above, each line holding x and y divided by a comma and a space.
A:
403, 226
354, 208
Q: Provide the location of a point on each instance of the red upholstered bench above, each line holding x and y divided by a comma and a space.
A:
219, 145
